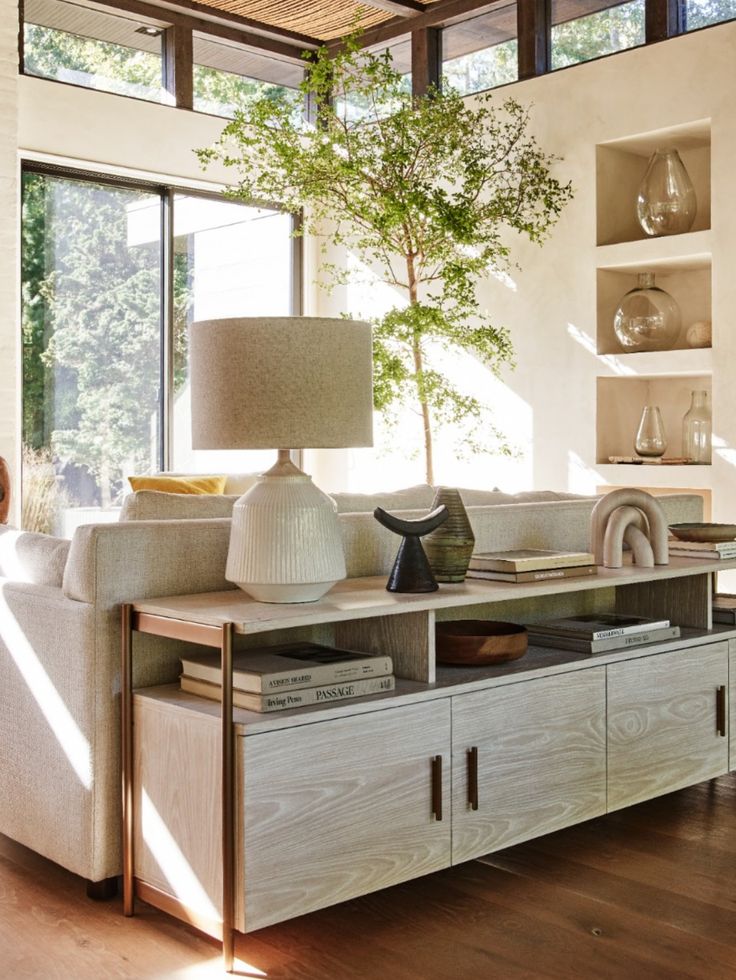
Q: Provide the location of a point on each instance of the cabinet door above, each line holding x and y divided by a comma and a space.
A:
340, 808
540, 751
663, 730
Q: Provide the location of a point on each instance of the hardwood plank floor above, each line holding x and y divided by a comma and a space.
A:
648, 893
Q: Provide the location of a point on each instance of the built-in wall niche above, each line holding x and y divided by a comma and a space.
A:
687, 280
620, 401
621, 165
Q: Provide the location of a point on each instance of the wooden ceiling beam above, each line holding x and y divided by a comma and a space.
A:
212, 15
269, 45
438, 14
402, 8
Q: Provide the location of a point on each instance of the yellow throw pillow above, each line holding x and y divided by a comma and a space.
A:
179, 484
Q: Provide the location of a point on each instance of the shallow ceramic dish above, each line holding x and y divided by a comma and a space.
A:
704, 532
479, 641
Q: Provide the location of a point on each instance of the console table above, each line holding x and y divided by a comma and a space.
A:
320, 804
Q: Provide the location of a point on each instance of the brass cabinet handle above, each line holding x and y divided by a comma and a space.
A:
472, 759
437, 787
721, 710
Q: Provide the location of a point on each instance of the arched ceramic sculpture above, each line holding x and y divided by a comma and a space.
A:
627, 525
608, 531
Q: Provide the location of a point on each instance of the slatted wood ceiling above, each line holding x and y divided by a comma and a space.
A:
324, 19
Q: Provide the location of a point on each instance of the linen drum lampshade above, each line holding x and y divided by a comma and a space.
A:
282, 383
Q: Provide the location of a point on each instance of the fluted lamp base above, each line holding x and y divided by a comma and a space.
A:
285, 543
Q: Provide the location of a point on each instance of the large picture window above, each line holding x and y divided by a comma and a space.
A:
105, 363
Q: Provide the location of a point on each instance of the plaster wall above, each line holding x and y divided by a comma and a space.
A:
547, 406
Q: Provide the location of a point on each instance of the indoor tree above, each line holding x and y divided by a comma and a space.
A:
425, 191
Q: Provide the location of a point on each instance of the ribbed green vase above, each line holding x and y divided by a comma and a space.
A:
450, 546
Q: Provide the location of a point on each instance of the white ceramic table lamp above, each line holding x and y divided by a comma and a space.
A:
282, 383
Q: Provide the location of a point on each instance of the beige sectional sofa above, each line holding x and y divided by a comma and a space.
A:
60, 638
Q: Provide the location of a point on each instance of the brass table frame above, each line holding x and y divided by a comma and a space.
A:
219, 637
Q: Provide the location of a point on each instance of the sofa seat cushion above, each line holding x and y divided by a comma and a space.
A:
38, 559
152, 505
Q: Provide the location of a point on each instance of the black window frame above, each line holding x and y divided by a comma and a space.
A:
166, 192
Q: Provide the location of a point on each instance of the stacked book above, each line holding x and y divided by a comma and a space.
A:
531, 565
289, 676
724, 608
601, 632
705, 550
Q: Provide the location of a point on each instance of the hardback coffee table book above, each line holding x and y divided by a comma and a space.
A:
290, 666
724, 608
528, 560
704, 550
601, 632
539, 576
292, 698
531, 565
601, 626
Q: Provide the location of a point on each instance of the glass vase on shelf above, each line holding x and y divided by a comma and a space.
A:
647, 318
666, 203
696, 429
651, 440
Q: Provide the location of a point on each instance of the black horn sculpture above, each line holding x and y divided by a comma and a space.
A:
411, 571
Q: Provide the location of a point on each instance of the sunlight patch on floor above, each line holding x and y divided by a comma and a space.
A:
213, 968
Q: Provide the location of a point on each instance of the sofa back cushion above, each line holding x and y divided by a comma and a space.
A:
38, 559
564, 524
113, 563
410, 498
420, 497
152, 505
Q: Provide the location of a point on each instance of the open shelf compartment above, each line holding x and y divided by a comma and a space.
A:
620, 167
687, 281
620, 401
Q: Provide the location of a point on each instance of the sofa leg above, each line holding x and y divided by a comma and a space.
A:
100, 891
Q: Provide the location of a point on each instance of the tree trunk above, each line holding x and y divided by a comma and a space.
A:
418, 368
105, 485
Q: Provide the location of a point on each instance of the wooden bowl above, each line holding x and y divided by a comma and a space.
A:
479, 641
704, 532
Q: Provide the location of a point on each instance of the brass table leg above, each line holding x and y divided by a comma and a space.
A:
126, 717
228, 801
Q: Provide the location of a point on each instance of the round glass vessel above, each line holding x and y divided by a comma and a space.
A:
648, 318
696, 429
650, 439
666, 203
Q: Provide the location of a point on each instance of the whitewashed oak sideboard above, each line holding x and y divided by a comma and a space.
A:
322, 804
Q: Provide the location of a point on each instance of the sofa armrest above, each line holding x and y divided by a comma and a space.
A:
113, 563
50, 743
29, 557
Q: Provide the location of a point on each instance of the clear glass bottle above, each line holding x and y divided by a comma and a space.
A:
648, 318
696, 429
666, 203
651, 440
